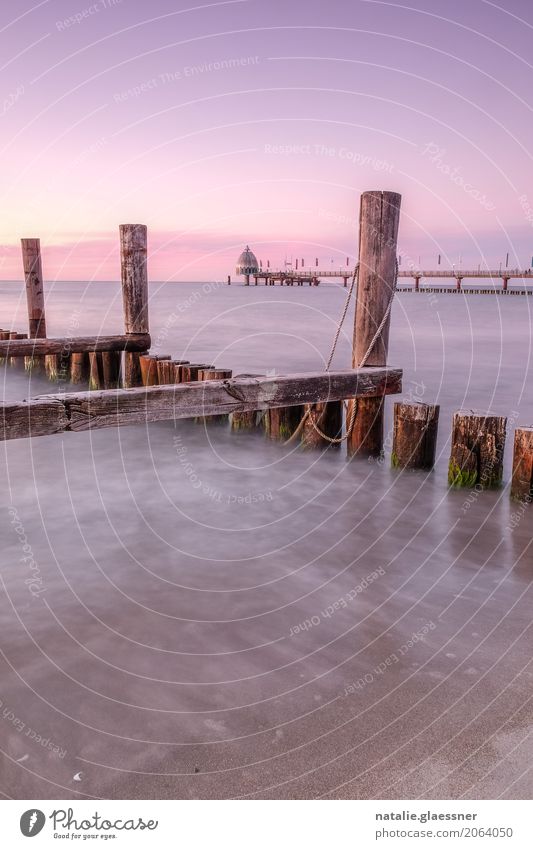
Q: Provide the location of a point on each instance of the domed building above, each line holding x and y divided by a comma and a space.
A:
247, 264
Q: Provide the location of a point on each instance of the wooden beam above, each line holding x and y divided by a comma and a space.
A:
32, 418
75, 345
78, 411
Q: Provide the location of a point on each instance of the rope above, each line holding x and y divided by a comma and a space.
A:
335, 440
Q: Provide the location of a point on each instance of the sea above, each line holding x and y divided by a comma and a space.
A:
189, 612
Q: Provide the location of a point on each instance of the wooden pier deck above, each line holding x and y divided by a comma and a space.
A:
313, 278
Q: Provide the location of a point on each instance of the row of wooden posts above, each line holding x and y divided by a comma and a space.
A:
130, 385
477, 448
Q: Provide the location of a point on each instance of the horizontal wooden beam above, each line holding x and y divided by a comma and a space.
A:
78, 411
74, 345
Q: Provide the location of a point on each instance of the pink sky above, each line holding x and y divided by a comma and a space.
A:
259, 122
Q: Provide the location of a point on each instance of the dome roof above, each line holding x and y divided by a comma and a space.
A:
247, 262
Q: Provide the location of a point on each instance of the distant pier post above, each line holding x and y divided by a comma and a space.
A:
133, 250
458, 283
505, 284
378, 235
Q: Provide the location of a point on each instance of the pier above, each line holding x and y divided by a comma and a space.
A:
313, 278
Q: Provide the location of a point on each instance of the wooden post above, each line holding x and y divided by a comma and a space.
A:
15, 361
4, 336
378, 234
213, 374
281, 422
478, 443
95, 370
79, 368
415, 435
149, 370
179, 365
51, 366
111, 362
147, 363
165, 371
133, 248
247, 420
522, 481
33, 274
328, 417
190, 371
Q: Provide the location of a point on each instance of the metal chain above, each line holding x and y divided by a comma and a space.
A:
335, 440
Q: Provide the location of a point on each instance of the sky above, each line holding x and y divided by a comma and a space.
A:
261, 122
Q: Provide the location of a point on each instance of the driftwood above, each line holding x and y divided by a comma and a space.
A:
112, 408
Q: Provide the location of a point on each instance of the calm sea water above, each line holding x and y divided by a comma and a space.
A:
213, 615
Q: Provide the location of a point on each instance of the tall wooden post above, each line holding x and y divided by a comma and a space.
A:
133, 247
33, 274
378, 234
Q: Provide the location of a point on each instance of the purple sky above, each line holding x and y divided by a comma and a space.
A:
218, 124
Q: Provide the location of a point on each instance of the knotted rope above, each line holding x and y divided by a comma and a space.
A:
307, 415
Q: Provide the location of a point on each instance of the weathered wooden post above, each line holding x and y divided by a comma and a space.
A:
15, 361
378, 235
281, 422
111, 361
149, 370
4, 336
95, 370
165, 371
190, 371
33, 275
522, 481
415, 435
248, 421
133, 262
478, 443
327, 416
79, 367
213, 374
